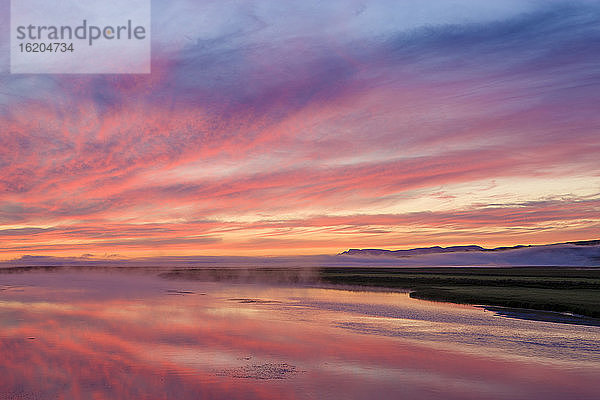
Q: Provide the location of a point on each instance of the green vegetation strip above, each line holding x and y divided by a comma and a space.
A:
574, 290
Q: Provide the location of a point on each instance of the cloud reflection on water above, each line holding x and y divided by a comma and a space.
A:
69, 335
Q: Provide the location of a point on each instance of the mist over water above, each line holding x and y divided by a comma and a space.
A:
189, 333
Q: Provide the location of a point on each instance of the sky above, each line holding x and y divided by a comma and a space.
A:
311, 127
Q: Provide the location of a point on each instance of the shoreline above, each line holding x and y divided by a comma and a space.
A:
555, 294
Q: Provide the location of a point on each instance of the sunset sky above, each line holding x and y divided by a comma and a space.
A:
309, 127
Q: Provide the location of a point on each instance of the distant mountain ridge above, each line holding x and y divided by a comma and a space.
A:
580, 253
455, 249
567, 254
409, 252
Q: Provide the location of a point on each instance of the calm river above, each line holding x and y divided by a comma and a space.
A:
133, 335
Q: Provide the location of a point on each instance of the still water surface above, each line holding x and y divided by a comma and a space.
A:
124, 335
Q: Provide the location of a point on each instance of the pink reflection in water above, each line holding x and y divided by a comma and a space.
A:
68, 335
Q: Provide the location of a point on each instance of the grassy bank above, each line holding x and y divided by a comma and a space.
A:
565, 289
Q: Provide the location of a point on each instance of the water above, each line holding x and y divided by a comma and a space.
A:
125, 335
